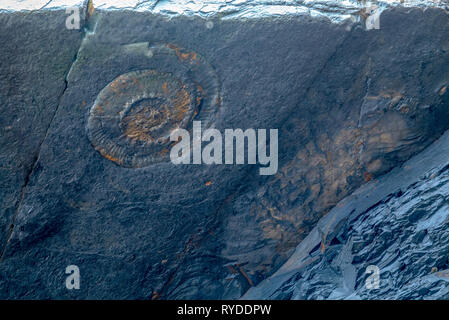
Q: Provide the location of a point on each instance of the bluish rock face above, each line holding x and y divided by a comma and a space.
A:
86, 179
395, 227
37, 53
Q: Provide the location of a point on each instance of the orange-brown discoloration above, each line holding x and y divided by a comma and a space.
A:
322, 247
109, 157
246, 276
165, 87
184, 55
155, 296
99, 110
200, 96
139, 126
90, 9
232, 270
181, 104
115, 86
367, 176
404, 109
163, 152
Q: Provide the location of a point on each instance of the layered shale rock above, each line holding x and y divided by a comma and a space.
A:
398, 225
367, 113
350, 105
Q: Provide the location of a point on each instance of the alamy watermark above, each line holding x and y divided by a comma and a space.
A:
373, 280
72, 22
73, 280
189, 150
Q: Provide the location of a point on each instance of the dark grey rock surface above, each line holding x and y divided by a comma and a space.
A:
350, 105
36, 54
398, 224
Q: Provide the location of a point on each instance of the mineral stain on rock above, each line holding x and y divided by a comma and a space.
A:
132, 118
138, 111
396, 225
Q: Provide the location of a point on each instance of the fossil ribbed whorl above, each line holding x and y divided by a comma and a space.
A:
132, 118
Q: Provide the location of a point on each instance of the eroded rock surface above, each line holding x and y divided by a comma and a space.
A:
397, 224
350, 104
361, 126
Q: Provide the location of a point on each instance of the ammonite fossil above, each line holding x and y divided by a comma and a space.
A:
132, 118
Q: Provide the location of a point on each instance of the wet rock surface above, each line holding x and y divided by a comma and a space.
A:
335, 10
350, 105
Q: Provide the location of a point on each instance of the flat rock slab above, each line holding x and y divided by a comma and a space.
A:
36, 54
350, 104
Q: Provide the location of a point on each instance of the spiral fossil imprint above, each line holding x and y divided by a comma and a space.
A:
132, 117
